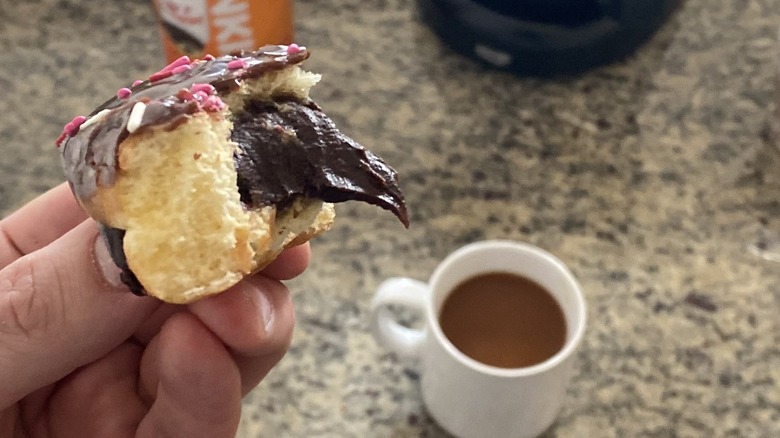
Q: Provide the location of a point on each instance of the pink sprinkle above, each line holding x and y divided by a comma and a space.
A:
213, 104
160, 75
79, 120
137, 82
185, 95
71, 129
206, 88
184, 60
208, 58
181, 69
60, 139
236, 64
293, 48
201, 95
123, 93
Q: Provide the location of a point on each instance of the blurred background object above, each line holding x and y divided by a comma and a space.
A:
218, 27
546, 37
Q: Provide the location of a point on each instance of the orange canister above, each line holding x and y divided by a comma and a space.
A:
217, 27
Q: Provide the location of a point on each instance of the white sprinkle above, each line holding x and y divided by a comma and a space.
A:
136, 117
94, 119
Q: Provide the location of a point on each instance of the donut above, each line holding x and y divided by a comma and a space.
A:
206, 171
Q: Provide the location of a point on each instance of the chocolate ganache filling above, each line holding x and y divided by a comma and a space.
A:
291, 149
287, 147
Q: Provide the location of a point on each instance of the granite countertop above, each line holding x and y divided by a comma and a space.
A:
655, 180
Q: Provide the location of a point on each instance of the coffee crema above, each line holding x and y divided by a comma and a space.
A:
504, 320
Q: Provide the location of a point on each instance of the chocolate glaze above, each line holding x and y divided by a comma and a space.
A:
89, 157
287, 148
114, 238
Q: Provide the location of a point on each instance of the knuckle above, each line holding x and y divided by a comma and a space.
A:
24, 310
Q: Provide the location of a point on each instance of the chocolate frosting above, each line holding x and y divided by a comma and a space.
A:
114, 238
89, 156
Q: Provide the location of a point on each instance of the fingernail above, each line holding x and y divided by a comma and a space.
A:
266, 309
106, 264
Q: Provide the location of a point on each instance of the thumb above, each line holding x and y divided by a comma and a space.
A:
62, 307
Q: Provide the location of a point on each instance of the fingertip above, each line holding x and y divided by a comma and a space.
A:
291, 263
57, 208
254, 318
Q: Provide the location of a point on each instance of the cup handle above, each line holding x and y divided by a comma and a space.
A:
405, 292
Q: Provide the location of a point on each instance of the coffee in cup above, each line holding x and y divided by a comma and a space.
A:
502, 323
503, 320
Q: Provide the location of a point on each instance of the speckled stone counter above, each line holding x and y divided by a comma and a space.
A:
656, 180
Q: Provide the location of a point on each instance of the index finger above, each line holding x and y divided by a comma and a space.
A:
39, 223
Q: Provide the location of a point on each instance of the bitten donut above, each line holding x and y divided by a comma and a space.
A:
206, 171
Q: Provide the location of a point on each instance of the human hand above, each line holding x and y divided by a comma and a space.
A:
81, 356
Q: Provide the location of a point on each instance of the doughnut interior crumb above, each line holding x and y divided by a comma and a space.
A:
291, 81
182, 208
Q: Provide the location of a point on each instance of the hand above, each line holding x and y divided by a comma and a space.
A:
81, 356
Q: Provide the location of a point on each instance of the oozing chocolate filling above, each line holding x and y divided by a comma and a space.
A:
290, 149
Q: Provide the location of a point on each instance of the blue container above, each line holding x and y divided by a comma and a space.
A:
545, 37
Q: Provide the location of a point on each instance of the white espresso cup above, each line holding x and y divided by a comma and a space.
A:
466, 397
